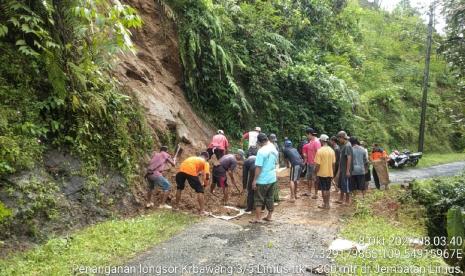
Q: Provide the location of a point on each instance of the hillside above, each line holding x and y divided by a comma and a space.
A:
76, 128
154, 76
88, 89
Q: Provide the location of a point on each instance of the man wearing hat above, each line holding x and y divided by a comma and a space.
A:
292, 156
227, 163
218, 146
309, 152
325, 163
345, 167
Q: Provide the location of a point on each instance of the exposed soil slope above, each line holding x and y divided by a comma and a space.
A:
154, 76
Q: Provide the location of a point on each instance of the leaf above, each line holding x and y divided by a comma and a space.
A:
20, 42
455, 226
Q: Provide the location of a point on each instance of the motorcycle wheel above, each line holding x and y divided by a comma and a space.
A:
414, 162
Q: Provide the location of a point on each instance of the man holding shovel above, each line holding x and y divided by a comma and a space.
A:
155, 176
227, 163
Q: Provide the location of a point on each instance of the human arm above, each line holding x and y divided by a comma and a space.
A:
233, 180
206, 178
349, 163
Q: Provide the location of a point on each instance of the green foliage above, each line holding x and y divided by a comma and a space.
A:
383, 230
440, 197
389, 81
4, 212
35, 201
454, 50
456, 233
105, 244
242, 60
285, 65
455, 227
55, 86
443, 199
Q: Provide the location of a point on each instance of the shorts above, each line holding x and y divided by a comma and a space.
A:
219, 176
368, 176
295, 172
357, 182
158, 181
310, 171
344, 184
194, 182
263, 196
325, 183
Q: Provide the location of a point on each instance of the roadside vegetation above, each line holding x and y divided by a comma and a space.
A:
432, 159
430, 211
389, 221
108, 243
444, 201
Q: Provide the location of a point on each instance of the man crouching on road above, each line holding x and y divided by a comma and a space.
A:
190, 170
265, 177
227, 164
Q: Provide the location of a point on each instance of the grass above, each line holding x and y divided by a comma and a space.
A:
387, 225
108, 243
431, 159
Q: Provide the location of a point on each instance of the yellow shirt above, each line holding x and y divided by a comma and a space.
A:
325, 158
194, 166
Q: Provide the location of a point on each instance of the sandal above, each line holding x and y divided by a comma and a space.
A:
267, 219
254, 221
338, 202
314, 197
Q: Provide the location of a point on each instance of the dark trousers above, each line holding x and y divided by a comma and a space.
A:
218, 153
376, 179
250, 195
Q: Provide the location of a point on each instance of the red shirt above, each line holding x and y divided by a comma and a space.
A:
219, 141
310, 150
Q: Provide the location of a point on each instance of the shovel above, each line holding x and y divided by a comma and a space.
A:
178, 151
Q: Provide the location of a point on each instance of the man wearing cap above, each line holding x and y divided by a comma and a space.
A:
293, 159
325, 161
251, 136
190, 170
218, 146
265, 177
345, 167
309, 151
227, 163
155, 176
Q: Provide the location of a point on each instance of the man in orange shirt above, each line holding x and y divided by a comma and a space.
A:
377, 153
190, 170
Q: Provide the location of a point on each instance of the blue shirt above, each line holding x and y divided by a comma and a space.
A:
267, 158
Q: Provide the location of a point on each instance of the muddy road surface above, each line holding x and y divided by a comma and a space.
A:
294, 243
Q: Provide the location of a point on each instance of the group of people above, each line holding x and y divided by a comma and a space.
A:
341, 162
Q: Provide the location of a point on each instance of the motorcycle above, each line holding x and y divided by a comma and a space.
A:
399, 160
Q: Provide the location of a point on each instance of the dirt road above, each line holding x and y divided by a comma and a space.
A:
295, 241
